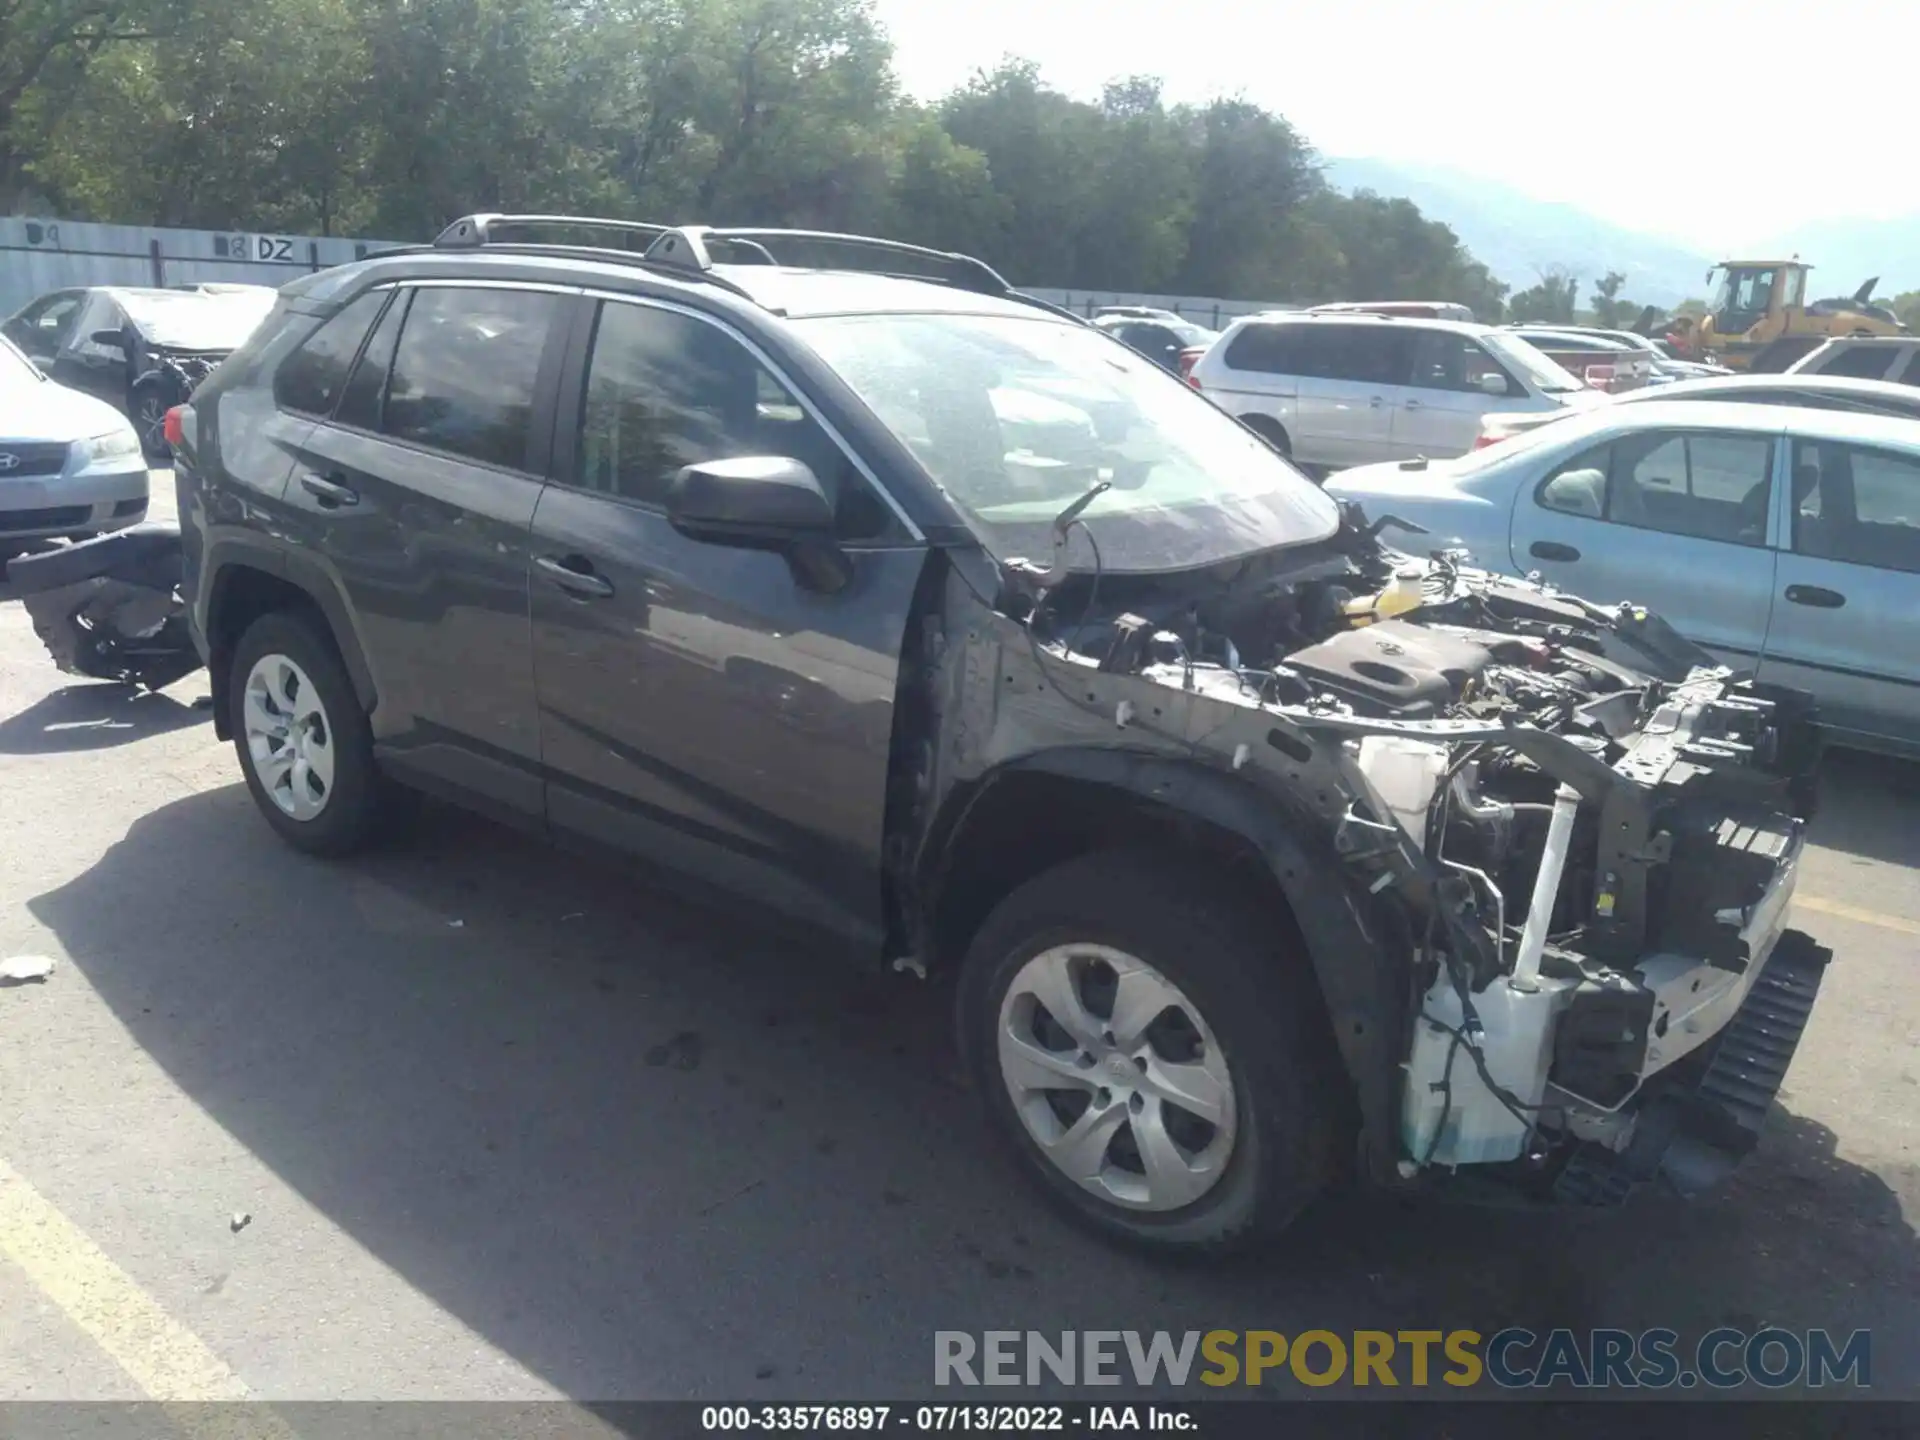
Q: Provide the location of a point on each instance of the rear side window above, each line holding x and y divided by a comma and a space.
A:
1364, 354
1858, 506
465, 369
1268, 349
366, 391
1911, 375
1860, 362
310, 380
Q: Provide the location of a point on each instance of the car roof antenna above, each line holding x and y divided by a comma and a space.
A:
1041, 581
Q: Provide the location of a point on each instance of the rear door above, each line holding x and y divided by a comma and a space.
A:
716, 709
1676, 520
417, 496
1846, 607
102, 370
1355, 375
1438, 412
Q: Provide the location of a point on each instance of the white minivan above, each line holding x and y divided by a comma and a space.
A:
1338, 390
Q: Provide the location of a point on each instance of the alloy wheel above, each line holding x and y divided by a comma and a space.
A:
1117, 1077
289, 737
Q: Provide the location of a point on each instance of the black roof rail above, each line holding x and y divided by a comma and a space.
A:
470, 232
694, 247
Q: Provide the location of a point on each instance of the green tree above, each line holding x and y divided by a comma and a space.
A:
1610, 312
1907, 308
1553, 301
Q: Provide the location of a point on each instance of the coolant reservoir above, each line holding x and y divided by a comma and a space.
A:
1402, 593
1406, 773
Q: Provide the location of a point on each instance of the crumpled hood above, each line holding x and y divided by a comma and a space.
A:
50, 412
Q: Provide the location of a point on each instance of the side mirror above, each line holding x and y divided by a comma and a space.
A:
112, 339
759, 501
1492, 384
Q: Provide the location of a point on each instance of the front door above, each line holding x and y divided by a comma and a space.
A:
417, 495
708, 707
1846, 605
1675, 520
42, 328
1438, 412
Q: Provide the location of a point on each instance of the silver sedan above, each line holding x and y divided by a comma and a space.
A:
1784, 539
70, 465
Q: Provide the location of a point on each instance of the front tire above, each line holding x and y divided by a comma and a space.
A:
148, 412
303, 739
1151, 1058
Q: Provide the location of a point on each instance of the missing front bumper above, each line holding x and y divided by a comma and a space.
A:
1690, 1136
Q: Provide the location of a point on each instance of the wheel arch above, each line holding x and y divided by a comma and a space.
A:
245, 586
1036, 812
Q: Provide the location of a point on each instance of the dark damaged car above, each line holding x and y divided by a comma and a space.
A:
1269, 852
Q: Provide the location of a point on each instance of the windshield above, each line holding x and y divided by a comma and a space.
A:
1540, 373
16, 371
1016, 418
189, 321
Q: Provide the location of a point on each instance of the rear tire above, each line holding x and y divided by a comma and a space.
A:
1235, 1007
1271, 431
303, 739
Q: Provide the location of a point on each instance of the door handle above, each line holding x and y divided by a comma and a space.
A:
1376, 402
575, 574
1412, 405
1817, 596
329, 491
1552, 550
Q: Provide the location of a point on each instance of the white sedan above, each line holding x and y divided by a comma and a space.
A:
70, 465
1785, 539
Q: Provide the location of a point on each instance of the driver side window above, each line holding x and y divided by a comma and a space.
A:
1703, 485
666, 390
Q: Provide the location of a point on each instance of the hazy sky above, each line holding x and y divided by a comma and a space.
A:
1685, 118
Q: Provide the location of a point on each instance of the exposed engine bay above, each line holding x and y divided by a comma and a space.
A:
1588, 826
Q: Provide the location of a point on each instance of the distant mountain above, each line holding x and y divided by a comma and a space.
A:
1516, 236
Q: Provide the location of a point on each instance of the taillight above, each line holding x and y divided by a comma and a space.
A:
1193, 380
170, 426
1188, 358
1483, 440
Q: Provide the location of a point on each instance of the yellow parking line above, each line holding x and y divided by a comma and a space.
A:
163, 1357
1856, 914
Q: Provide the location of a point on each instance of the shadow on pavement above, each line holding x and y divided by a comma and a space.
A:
92, 716
1869, 807
649, 1151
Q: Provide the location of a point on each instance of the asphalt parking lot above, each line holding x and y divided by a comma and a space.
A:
504, 1123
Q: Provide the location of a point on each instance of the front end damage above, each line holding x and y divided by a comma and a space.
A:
1539, 851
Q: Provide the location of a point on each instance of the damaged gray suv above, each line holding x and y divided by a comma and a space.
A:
837, 575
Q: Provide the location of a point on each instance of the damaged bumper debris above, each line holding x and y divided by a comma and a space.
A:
110, 608
1567, 836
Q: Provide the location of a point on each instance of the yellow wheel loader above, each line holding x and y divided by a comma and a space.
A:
1760, 318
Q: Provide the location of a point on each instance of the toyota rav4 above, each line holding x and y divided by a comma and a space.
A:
838, 575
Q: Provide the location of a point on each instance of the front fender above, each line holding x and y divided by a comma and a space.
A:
1357, 945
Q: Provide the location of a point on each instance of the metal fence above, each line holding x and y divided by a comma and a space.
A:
37, 256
